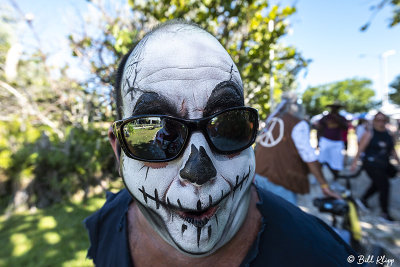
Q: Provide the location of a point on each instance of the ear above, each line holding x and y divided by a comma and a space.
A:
114, 143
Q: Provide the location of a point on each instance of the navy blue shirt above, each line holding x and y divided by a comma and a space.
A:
287, 237
379, 148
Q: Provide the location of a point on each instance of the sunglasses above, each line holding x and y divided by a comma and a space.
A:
162, 138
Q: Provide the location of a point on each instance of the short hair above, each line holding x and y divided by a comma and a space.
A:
120, 71
382, 114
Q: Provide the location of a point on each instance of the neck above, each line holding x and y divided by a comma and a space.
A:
380, 129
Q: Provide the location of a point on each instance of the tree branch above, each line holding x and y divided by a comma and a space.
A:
25, 105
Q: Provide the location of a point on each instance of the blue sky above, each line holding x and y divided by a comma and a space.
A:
325, 31
328, 32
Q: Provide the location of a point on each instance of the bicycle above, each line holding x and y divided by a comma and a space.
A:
348, 209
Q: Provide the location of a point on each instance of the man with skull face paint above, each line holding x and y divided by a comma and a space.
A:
198, 202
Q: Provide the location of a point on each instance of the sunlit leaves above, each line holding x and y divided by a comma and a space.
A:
241, 26
396, 13
395, 16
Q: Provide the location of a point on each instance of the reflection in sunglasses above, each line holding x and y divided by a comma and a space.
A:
162, 138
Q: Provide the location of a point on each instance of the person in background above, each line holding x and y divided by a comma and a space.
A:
284, 156
345, 134
331, 142
361, 128
378, 146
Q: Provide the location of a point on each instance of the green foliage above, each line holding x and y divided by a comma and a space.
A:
395, 96
241, 27
7, 26
394, 19
396, 12
13, 136
50, 169
53, 142
53, 236
355, 94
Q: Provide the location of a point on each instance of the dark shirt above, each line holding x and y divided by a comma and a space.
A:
288, 236
332, 126
379, 148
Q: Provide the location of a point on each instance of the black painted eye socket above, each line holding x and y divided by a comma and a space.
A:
160, 138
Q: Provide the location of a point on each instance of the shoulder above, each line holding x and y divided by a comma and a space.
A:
369, 133
113, 206
302, 125
107, 228
324, 118
292, 236
366, 136
300, 136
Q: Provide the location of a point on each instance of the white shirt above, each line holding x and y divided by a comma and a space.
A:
301, 138
360, 130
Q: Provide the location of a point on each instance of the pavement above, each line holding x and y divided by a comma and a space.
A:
375, 231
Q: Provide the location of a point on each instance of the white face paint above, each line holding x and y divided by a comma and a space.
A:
183, 65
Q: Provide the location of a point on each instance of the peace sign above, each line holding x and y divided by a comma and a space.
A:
266, 138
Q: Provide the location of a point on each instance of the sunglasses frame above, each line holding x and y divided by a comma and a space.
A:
195, 125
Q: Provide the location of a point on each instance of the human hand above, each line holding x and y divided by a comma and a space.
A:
329, 193
353, 166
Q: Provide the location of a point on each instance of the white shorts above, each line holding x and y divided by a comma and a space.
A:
331, 152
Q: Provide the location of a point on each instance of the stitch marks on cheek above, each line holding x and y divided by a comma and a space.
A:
199, 215
199, 210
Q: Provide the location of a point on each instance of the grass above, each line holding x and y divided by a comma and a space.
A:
49, 237
143, 135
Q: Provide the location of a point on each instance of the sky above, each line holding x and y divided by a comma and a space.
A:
325, 31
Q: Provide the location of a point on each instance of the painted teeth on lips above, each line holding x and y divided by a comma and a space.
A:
198, 218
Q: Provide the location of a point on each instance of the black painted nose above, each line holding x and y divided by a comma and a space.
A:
199, 168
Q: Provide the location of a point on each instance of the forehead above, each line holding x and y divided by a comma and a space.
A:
183, 64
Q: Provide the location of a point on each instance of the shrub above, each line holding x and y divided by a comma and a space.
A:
39, 169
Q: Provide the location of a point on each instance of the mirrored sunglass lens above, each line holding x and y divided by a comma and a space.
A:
232, 130
154, 138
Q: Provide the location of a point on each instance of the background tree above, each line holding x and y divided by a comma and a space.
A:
355, 94
53, 128
395, 96
243, 28
42, 112
394, 20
